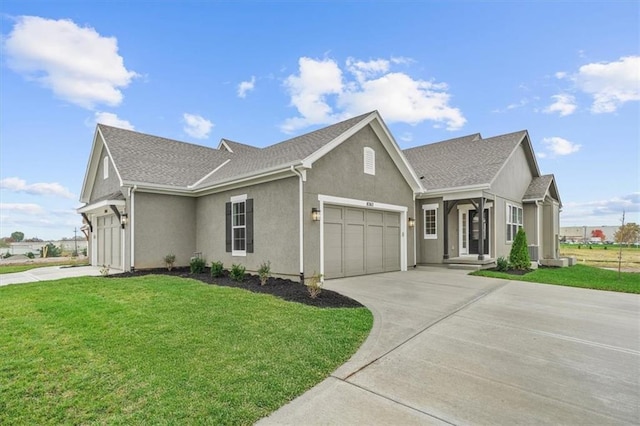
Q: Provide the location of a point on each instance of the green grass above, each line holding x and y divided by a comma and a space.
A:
159, 349
9, 269
575, 276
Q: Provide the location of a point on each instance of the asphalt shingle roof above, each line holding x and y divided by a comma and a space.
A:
280, 154
151, 159
538, 187
465, 161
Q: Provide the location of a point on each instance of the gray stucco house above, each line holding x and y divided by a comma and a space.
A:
340, 201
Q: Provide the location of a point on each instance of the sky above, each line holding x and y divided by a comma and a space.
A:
262, 72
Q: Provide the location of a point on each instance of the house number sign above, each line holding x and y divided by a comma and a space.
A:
369, 203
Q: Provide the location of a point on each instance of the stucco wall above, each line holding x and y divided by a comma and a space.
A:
275, 220
163, 224
531, 223
101, 186
340, 173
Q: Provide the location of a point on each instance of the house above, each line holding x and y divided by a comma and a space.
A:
340, 201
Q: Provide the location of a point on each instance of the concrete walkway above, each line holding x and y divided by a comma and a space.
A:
47, 273
447, 348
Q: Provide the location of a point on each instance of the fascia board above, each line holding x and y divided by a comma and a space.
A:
454, 190
100, 205
115, 167
92, 167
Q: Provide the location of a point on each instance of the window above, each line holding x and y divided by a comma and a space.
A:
239, 226
105, 168
369, 161
514, 221
430, 213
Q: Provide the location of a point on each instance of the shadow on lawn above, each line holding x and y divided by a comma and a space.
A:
279, 287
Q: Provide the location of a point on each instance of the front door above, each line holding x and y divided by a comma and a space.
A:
473, 229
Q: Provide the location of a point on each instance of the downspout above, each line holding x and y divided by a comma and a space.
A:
415, 225
301, 218
132, 222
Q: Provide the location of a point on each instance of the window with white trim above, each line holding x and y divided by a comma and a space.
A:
514, 221
105, 168
430, 221
239, 227
369, 161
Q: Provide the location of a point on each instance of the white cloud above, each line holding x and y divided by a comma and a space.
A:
197, 126
76, 63
560, 75
15, 184
597, 211
246, 86
611, 84
564, 105
111, 119
22, 208
406, 137
557, 146
368, 85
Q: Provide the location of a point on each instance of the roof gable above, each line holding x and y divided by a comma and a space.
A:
142, 158
540, 187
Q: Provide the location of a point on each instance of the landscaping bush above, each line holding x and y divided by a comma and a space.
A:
217, 269
197, 265
519, 256
237, 272
84, 252
31, 255
50, 250
502, 264
170, 260
264, 272
315, 285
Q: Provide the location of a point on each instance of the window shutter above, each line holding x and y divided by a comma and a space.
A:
249, 224
228, 227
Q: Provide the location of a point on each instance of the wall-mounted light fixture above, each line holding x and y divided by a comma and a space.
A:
412, 222
315, 214
124, 218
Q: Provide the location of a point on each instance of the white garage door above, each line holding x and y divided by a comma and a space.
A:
360, 241
109, 245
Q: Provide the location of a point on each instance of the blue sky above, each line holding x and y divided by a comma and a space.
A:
261, 72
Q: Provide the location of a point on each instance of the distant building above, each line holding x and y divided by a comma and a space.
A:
585, 234
67, 246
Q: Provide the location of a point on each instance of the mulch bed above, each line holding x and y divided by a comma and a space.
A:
285, 289
512, 271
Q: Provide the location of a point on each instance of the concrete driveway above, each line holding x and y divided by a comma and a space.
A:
447, 348
47, 273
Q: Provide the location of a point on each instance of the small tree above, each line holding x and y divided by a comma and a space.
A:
627, 233
17, 236
597, 233
519, 256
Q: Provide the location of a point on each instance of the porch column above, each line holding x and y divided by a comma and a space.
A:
481, 229
445, 231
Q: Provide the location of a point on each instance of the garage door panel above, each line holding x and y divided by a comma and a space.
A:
109, 242
354, 260
392, 249
333, 250
375, 249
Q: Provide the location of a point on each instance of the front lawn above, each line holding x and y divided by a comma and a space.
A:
161, 349
575, 276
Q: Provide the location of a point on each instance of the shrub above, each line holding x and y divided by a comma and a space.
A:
502, 264
104, 271
237, 272
519, 256
217, 268
6, 255
197, 265
31, 255
264, 272
50, 250
170, 260
84, 252
315, 285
